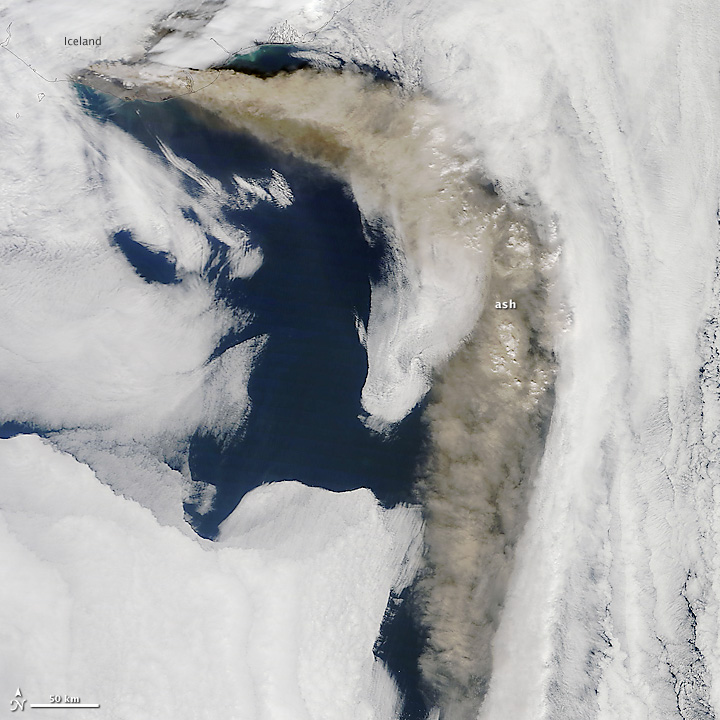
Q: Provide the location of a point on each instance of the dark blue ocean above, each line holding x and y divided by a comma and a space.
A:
305, 388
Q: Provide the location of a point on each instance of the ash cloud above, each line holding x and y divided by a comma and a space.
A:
454, 250
402, 163
488, 412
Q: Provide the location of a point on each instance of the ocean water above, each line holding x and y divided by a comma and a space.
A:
150, 265
267, 60
305, 419
12, 429
607, 613
272, 58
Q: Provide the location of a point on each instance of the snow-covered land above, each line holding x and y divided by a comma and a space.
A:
598, 121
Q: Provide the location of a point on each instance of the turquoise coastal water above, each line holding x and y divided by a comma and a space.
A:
270, 59
267, 60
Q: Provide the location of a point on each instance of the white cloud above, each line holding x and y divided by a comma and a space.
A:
602, 119
113, 596
276, 620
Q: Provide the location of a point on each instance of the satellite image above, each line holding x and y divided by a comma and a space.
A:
360, 360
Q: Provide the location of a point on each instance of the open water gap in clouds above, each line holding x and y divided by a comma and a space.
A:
456, 251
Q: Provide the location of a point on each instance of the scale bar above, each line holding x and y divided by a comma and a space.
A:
67, 705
